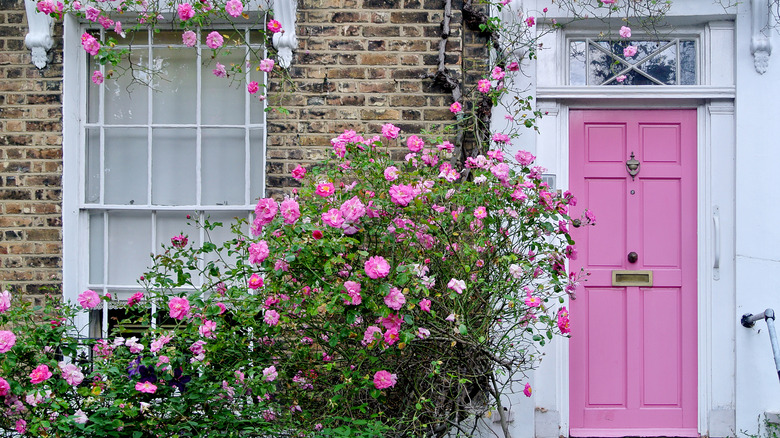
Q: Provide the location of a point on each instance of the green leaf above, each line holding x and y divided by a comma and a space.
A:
462, 329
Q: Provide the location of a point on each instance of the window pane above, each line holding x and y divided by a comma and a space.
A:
577, 63
175, 98
173, 166
687, 62
127, 102
257, 106
633, 78
256, 164
222, 234
223, 162
663, 66
93, 92
125, 166
223, 98
169, 38
173, 223
92, 166
129, 245
602, 66
96, 248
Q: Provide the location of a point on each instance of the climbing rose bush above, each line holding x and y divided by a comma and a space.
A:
383, 298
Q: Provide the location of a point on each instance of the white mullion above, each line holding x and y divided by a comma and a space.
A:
677, 62
247, 122
149, 122
198, 120
587, 61
104, 328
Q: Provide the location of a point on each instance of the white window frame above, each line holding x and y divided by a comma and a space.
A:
75, 210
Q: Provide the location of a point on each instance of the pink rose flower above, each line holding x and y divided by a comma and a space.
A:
333, 217
220, 71
270, 374
377, 267
383, 379
498, 73
40, 374
457, 285
513, 66
527, 390
5, 301
353, 290
423, 333
135, 299
274, 26
5, 387
179, 241
234, 8
188, 38
415, 143
392, 336
620, 78
90, 44
146, 387
625, 32
390, 131
483, 85
21, 426
179, 307
185, 11
290, 210
255, 282
456, 107
352, 209
629, 51
258, 252
392, 173
214, 40
402, 194
207, 329
530, 21
97, 77
369, 335
480, 212
525, 158
267, 65
271, 317
252, 87
317, 234
71, 373
395, 299
265, 211
563, 320
425, 305
89, 299
501, 138
299, 172
7, 341
324, 189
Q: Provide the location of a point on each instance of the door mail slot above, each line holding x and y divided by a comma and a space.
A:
632, 278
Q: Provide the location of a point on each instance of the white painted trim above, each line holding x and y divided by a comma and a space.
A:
287, 40
39, 38
645, 92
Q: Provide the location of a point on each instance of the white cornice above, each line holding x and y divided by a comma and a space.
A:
39, 38
286, 41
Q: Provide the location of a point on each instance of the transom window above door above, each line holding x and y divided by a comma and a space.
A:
632, 62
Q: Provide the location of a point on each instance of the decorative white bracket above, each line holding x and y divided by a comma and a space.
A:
760, 46
39, 38
285, 41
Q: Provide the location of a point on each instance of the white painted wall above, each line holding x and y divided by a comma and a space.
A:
757, 236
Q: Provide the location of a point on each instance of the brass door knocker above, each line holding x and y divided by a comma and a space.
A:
633, 166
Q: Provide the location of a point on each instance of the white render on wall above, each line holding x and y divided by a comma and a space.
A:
739, 158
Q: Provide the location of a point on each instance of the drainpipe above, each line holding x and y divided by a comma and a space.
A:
749, 320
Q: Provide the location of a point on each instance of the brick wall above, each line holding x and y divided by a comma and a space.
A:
30, 160
360, 64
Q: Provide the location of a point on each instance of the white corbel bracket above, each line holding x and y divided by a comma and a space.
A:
760, 46
286, 41
39, 38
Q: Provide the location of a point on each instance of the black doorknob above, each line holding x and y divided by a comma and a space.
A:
632, 257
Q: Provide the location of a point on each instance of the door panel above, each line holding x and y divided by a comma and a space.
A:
633, 358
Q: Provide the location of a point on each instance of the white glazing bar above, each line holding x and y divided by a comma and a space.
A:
101, 123
199, 215
149, 120
166, 125
135, 207
587, 61
104, 328
678, 60
247, 122
198, 120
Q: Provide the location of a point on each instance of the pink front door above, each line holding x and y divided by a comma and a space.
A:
633, 359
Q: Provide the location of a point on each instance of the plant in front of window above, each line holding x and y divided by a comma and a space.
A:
384, 298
